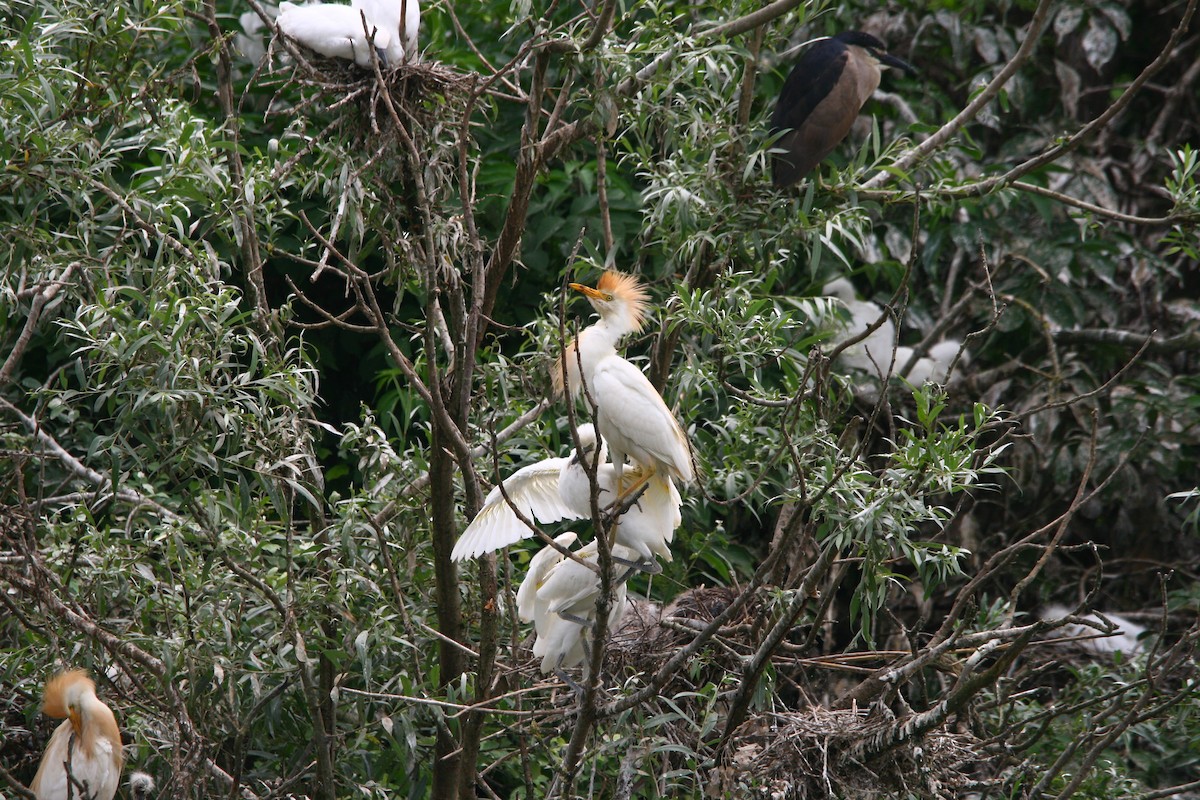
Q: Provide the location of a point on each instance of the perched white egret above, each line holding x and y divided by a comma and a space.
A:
934, 367
250, 42
1125, 639
874, 353
631, 417
539, 566
559, 488
84, 756
401, 19
334, 30
559, 597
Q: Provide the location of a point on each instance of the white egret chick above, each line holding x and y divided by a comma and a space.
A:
401, 19
1125, 639
334, 30
559, 488
559, 597
539, 566
87, 743
631, 417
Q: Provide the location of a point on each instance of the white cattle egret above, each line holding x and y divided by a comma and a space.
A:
874, 353
401, 19
334, 30
559, 488
249, 42
631, 417
1126, 638
559, 597
935, 367
84, 756
539, 565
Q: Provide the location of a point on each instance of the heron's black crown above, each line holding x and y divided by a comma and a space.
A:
864, 40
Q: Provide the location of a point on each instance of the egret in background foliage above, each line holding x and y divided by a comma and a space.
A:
631, 417
559, 488
935, 367
334, 30
874, 353
84, 757
401, 19
821, 99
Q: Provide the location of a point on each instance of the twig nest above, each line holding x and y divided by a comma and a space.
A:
813, 753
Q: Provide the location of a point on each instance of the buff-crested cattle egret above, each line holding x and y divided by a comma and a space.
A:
334, 30
631, 416
559, 597
84, 757
559, 488
401, 19
821, 98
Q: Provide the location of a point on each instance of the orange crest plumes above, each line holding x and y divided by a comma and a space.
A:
628, 289
55, 702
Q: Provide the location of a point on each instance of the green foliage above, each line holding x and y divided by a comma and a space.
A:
234, 297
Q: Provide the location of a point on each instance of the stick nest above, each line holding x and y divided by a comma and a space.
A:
424, 94
812, 753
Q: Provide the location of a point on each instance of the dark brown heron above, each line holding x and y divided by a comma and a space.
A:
821, 99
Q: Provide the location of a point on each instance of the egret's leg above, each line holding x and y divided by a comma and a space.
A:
636, 486
562, 675
582, 622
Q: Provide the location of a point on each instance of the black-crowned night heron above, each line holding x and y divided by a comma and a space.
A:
821, 99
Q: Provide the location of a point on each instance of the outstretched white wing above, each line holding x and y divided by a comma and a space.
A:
534, 490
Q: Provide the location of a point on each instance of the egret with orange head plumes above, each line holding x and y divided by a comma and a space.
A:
631, 417
84, 757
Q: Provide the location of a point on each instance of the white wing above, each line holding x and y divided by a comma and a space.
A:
633, 419
534, 490
529, 606
332, 30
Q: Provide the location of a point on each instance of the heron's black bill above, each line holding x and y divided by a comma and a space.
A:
892, 61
